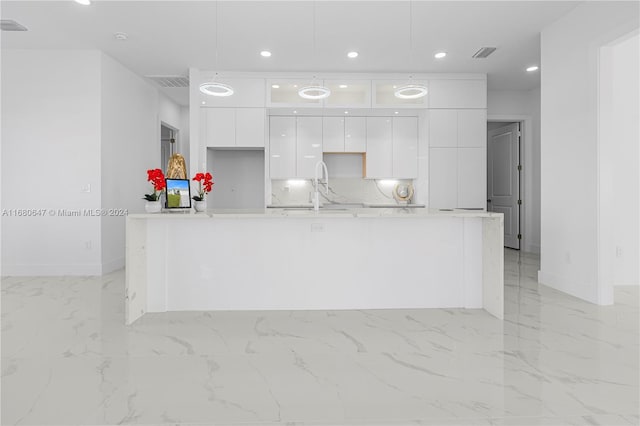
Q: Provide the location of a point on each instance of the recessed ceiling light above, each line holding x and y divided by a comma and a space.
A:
203, 102
440, 55
120, 36
275, 86
352, 55
533, 68
265, 54
396, 112
295, 112
343, 86
346, 112
83, 2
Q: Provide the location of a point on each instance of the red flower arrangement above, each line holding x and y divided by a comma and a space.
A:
205, 182
156, 177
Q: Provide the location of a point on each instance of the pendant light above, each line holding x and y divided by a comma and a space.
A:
214, 87
409, 90
314, 91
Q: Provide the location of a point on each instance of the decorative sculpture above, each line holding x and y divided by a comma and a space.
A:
177, 167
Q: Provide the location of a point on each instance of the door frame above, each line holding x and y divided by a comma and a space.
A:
526, 176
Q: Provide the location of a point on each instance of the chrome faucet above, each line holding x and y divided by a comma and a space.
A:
321, 169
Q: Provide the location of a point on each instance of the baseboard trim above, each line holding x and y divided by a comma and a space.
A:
558, 283
112, 265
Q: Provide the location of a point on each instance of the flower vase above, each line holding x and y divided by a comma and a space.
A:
153, 206
200, 206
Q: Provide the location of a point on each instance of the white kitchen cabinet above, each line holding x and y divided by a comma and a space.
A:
472, 128
472, 178
405, 147
233, 127
443, 178
443, 128
457, 178
392, 147
308, 145
247, 92
284, 93
379, 147
333, 134
458, 93
348, 94
355, 134
220, 127
250, 127
384, 94
282, 147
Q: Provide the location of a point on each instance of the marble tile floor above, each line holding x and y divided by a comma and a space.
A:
68, 359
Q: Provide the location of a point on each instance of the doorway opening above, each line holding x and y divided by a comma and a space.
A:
504, 167
168, 144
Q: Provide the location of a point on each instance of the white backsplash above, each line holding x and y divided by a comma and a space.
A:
341, 190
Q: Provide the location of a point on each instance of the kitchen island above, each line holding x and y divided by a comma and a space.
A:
279, 259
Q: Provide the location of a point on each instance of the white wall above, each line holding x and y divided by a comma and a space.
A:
618, 155
50, 150
569, 149
89, 123
184, 136
517, 105
626, 113
131, 113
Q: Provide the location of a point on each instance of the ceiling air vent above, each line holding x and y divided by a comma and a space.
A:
169, 80
483, 52
11, 25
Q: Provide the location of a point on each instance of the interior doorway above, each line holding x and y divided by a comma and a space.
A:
168, 144
503, 177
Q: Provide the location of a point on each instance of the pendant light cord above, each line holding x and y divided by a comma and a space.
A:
217, 36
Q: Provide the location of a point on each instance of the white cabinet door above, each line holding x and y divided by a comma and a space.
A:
472, 128
309, 145
282, 147
333, 134
379, 147
355, 134
220, 127
405, 147
443, 178
457, 94
250, 127
472, 178
443, 128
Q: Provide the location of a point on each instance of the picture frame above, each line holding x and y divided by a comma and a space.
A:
178, 194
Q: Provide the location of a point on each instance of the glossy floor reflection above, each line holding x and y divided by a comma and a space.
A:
68, 359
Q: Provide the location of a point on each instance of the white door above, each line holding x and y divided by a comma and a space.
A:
503, 180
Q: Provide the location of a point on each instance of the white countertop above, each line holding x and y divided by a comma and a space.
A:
306, 213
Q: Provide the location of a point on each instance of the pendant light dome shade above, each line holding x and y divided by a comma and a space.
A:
411, 91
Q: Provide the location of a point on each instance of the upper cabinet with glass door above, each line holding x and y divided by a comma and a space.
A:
285, 93
384, 93
348, 94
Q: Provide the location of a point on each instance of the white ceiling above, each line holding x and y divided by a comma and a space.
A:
168, 37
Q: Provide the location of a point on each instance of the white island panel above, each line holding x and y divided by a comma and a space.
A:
314, 261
